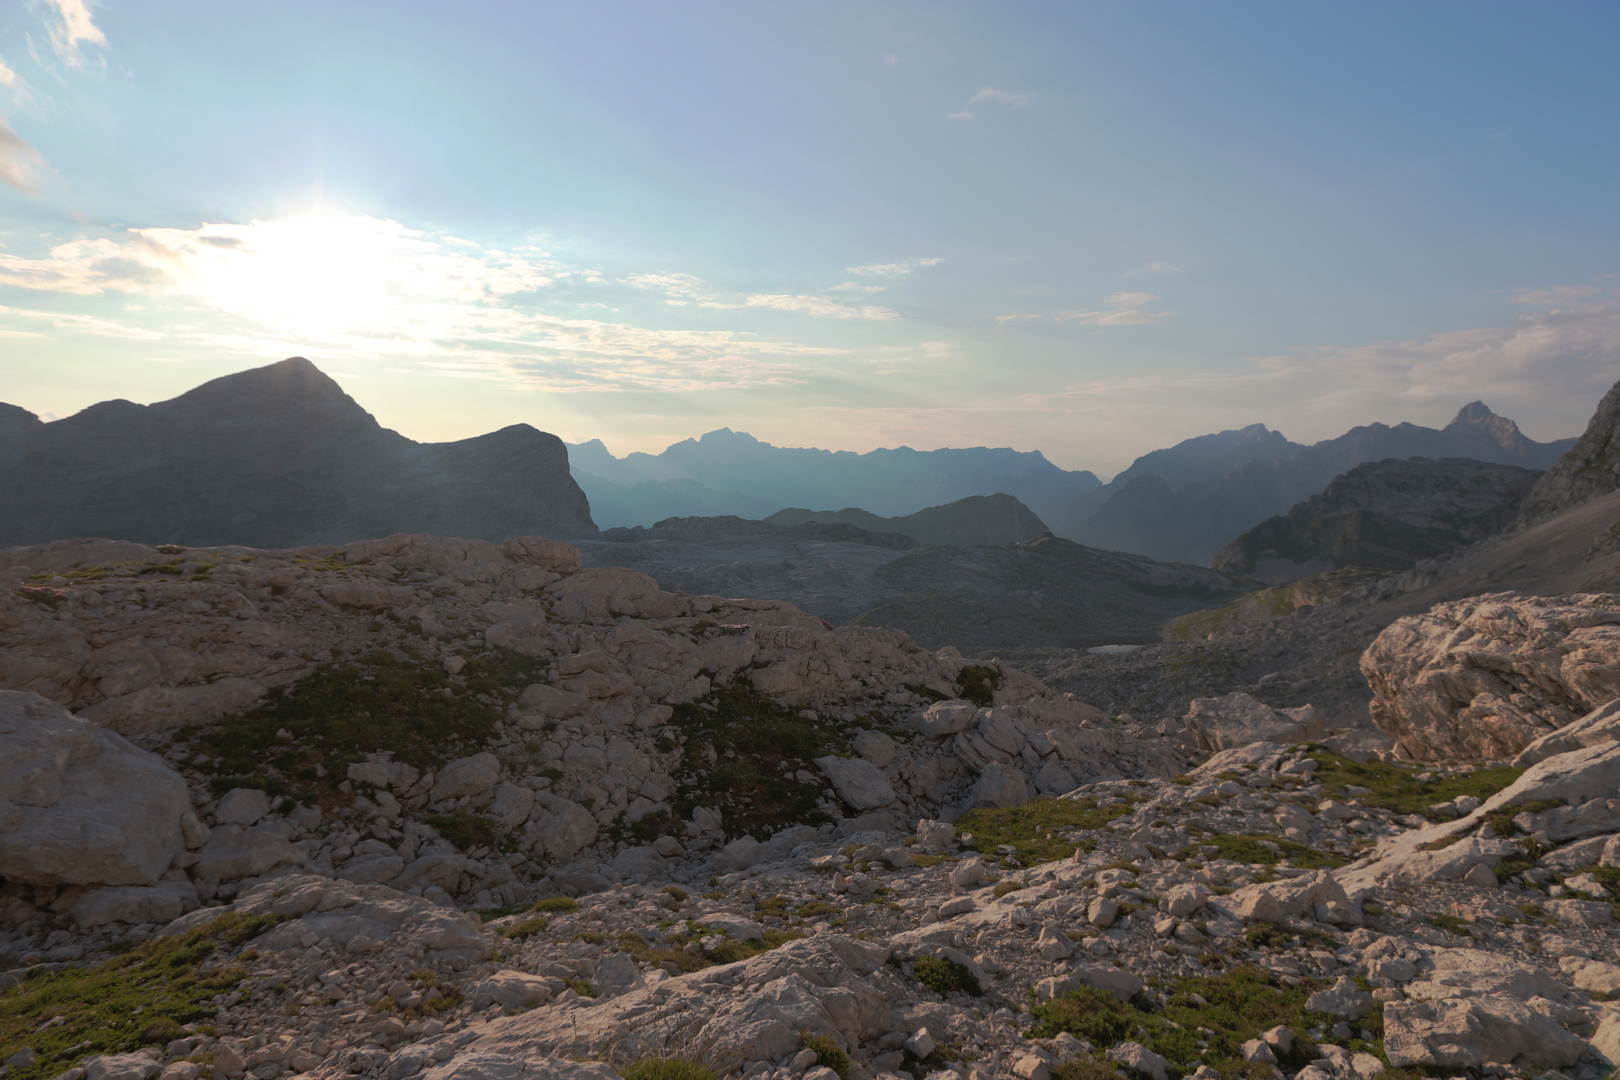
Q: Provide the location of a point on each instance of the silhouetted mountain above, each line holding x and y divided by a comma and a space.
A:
278, 456
1590, 469
977, 519
730, 472
1164, 506
1384, 515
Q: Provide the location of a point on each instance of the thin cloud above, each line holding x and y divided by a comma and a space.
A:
1154, 268
71, 28
1124, 309
855, 286
18, 159
992, 96
898, 269
1558, 294
821, 306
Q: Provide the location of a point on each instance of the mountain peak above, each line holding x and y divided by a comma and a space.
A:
1475, 412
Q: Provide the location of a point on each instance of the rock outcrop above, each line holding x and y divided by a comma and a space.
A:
1487, 676
79, 805
1239, 719
1385, 515
275, 456
1591, 467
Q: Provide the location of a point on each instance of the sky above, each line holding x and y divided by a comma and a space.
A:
1089, 229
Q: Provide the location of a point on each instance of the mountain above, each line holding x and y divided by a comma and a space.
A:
1044, 592
275, 456
731, 472
977, 519
1168, 507
1589, 470
1384, 515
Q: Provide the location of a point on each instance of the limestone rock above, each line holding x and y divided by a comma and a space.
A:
242, 806
513, 990
1585, 472
1001, 785
875, 747
857, 781
1343, 999
1468, 1032
944, 718
1601, 725
80, 805
563, 829
1238, 719
550, 702
233, 853
466, 776
132, 904
1487, 676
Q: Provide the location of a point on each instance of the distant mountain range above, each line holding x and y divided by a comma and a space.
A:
278, 456
977, 519
729, 472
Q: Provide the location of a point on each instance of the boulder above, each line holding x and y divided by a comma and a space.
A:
134, 904
1237, 719
513, 990
1467, 1032
1274, 901
466, 776
857, 781
999, 786
944, 718
1601, 725
1487, 676
563, 829
242, 806
233, 853
740, 854
1343, 999
548, 702
1139, 1060
384, 774
935, 835
875, 747
80, 805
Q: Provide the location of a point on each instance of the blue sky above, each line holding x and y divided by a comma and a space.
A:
1088, 229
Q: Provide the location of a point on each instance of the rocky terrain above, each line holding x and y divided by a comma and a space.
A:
276, 456
1046, 591
977, 519
1386, 515
1184, 503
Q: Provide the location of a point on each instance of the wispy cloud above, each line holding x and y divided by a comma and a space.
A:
895, 269
18, 160
854, 286
1154, 268
820, 305
991, 96
71, 26
1123, 309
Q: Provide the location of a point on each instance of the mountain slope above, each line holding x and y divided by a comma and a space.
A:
1590, 469
1190, 520
1383, 515
977, 519
275, 456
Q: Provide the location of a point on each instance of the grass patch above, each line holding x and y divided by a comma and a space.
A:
1397, 788
1501, 820
526, 928
1237, 1005
1087, 1068
754, 787
647, 953
141, 998
1270, 850
668, 1067
944, 976
1451, 924
828, 1053
555, 904
1032, 829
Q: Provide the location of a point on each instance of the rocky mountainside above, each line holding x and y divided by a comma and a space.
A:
441, 808
977, 519
731, 473
1591, 469
1045, 591
1168, 507
1385, 515
277, 455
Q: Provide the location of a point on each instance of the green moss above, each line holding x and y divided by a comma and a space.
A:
526, 928
1033, 829
828, 1053
1233, 1007
1451, 924
1397, 788
945, 976
141, 998
1260, 849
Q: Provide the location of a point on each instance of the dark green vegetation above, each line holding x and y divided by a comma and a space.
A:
1397, 788
1501, 819
466, 831
141, 998
1237, 1006
828, 1053
1035, 829
945, 976
728, 951
345, 710
757, 745
555, 904
979, 684
1451, 924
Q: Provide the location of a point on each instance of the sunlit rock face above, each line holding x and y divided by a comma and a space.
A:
276, 456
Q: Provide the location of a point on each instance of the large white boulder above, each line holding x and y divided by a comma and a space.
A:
1468, 1032
80, 805
1237, 719
466, 776
857, 781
